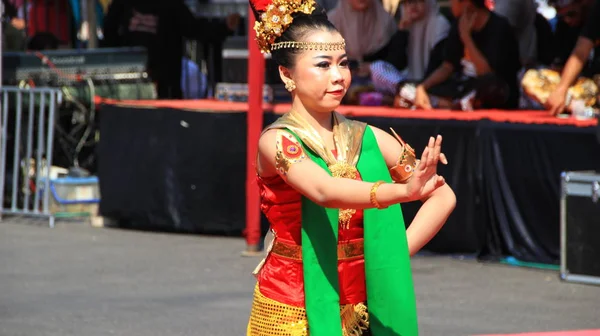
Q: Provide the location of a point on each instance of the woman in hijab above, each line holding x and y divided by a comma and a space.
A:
420, 51
366, 27
426, 27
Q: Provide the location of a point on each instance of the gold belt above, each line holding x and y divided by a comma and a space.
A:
344, 250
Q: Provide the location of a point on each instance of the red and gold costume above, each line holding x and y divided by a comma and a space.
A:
281, 205
279, 297
280, 279
324, 264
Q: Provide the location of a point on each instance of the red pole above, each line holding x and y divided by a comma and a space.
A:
256, 74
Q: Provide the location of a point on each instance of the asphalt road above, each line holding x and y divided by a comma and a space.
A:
85, 281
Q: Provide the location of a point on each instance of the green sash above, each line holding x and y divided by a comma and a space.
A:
390, 292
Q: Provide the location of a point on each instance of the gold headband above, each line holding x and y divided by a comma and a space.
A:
321, 46
276, 18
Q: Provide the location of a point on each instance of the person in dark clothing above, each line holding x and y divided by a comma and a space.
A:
483, 53
13, 33
545, 40
578, 33
160, 26
416, 50
426, 31
10, 11
572, 17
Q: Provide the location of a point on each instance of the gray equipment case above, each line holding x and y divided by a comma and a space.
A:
580, 227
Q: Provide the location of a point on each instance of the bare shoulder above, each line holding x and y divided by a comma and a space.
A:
267, 140
265, 162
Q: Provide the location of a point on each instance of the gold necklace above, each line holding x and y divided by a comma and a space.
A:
339, 165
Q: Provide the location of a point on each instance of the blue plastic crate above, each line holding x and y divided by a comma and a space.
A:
73, 195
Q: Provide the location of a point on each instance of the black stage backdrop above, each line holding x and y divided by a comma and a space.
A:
521, 169
175, 170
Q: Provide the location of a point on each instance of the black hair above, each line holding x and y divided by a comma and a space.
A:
301, 26
43, 41
479, 3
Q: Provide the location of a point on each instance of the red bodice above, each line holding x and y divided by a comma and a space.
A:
281, 278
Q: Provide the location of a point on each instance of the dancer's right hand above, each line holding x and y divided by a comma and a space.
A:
425, 179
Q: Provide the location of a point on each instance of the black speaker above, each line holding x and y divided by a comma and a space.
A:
598, 128
580, 227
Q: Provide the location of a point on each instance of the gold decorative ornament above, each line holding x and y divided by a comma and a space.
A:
288, 152
540, 84
273, 318
406, 164
341, 169
276, 18
346, 250
373, 195
320, 46
290, 86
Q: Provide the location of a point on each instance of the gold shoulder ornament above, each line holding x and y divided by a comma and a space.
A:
289, 151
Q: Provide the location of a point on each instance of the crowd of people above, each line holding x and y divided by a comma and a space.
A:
159, 26
470, 54
412, 53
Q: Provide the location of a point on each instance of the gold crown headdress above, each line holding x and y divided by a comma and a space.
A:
276, 17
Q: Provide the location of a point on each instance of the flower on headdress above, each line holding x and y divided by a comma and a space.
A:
276, 16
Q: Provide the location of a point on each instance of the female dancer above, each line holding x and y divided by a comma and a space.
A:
327, 188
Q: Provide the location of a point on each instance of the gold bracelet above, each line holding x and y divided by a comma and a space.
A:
374, 195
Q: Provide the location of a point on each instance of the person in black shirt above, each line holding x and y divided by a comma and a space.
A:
13, 34
483, 49
589, 38
159, 26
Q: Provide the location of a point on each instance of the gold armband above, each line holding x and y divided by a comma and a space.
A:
373, 195
289, 151
406, 164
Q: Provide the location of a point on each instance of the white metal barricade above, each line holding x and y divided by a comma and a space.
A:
27, 123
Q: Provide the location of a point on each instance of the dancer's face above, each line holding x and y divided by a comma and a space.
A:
322, 78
